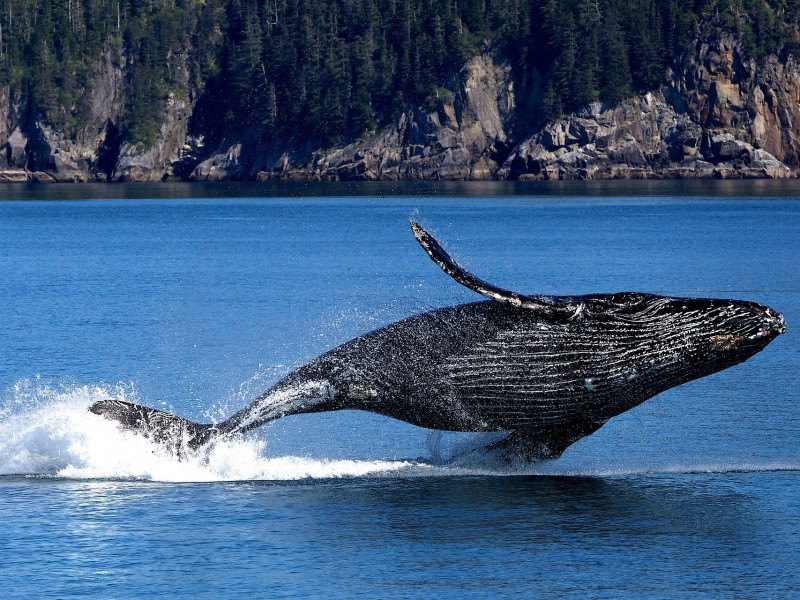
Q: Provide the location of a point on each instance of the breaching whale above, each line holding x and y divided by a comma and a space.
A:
548, 370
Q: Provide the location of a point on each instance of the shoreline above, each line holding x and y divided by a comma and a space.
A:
616, 173
424, 191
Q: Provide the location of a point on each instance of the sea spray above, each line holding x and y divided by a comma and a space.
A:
46, 430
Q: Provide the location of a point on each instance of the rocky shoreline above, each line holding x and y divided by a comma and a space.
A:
718, 115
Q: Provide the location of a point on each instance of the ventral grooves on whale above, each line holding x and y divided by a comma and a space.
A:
547, 369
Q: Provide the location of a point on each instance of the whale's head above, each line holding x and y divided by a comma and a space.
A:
736, 329
692, 336
615, 342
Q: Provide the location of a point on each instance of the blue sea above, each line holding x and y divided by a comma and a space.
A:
194, 298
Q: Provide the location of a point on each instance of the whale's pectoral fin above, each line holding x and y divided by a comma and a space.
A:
532, 445
543, 304
162, 427
525, 446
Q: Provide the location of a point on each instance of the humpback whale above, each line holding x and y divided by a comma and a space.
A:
548, 370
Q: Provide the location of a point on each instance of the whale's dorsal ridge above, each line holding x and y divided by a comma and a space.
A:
543, 304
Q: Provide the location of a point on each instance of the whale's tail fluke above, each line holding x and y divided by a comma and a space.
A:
177, 434
183, 437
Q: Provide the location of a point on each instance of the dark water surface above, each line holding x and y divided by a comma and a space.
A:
198, 297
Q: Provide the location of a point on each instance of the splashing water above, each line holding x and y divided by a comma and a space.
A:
47, 431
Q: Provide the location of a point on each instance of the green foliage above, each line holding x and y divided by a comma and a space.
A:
766, 26
607, 49
51, 49
331, 70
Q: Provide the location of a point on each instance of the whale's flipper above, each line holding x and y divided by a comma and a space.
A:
162, 427
542, 304
533, 445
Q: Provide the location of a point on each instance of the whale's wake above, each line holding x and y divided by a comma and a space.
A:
47, 431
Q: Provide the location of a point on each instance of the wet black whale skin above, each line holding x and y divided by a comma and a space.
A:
548, 369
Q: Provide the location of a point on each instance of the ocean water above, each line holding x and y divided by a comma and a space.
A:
195, 298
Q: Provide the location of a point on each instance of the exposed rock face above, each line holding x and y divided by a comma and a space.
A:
52, 156
719, 114
163, 159
61, 159
220, 166
459, 135
13, 158
4, 127
16, 149
724, 91
643, 138
37, 152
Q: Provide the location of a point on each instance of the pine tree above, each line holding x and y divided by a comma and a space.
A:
616, 81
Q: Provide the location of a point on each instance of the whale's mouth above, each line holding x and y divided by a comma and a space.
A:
773, 325
779, 324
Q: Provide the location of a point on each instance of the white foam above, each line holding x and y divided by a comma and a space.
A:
47, 431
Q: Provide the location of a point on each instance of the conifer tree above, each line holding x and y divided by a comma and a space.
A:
331, 70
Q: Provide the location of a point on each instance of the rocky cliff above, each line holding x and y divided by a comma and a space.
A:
718, 114
35, 151
465, 131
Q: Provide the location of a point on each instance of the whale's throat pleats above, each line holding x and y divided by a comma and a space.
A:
539, 374
550, 369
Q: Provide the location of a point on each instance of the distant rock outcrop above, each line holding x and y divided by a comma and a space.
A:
164, 159
459, 134
643, 138
718, 114
38, 152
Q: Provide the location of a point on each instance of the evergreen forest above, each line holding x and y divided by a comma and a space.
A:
334, 70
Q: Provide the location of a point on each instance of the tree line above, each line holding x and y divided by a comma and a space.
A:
334, 70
